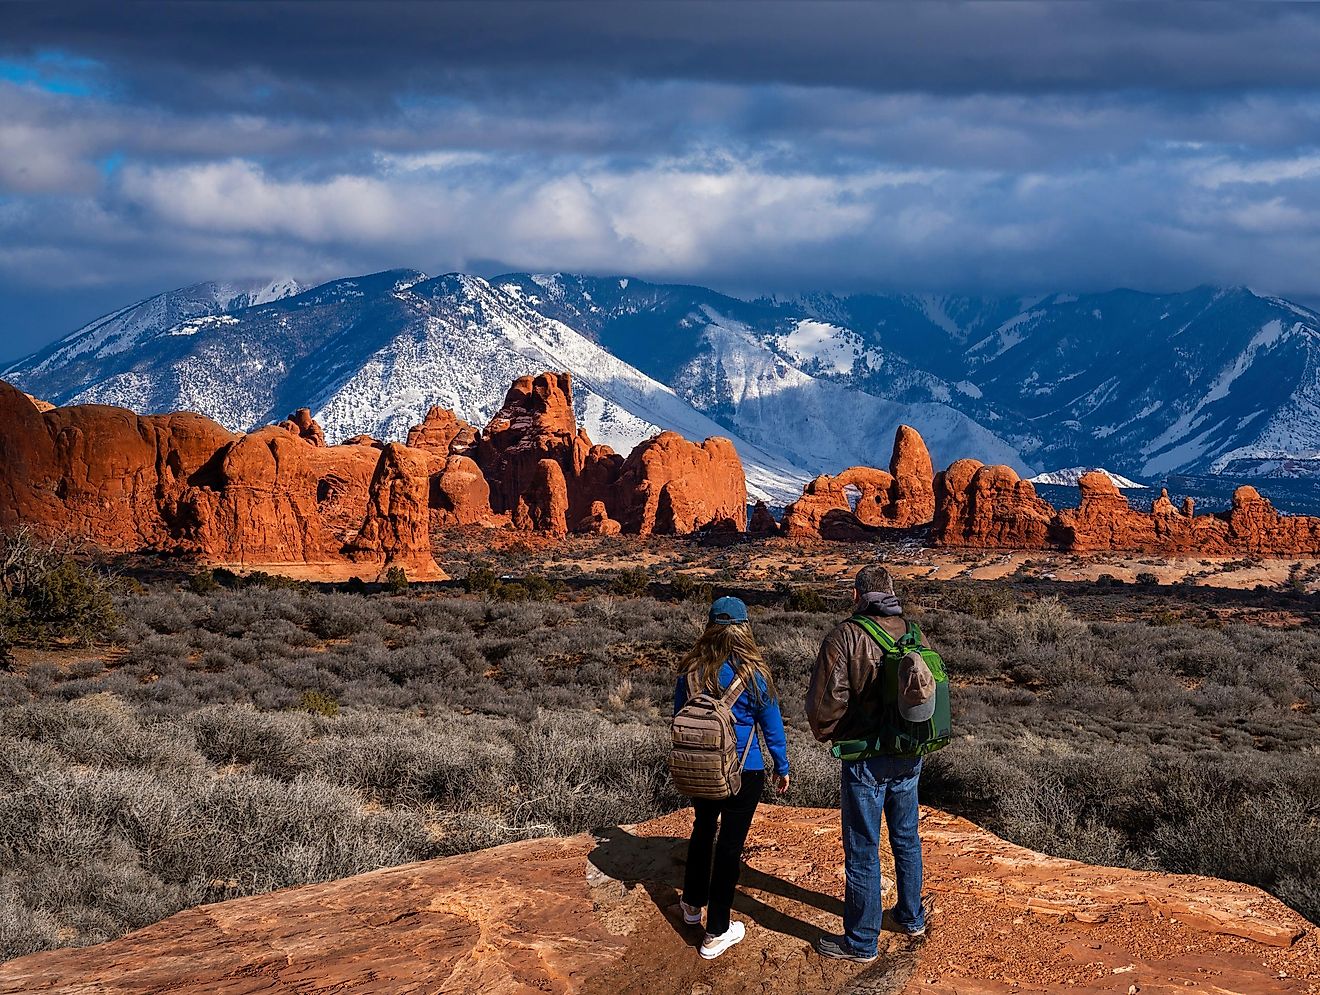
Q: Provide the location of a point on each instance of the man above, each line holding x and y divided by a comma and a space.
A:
847, 702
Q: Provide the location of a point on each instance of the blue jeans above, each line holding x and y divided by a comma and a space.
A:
881, 787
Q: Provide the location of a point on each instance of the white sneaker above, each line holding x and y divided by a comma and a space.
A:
713, 946
691, 913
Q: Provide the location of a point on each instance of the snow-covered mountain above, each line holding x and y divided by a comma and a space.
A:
372, 354
813, 391
1209, 381
1069, 477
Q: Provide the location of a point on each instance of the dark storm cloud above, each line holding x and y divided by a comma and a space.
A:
934, 47
999, 147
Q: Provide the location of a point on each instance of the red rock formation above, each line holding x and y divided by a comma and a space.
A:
598, 522
302, 424
763, 523
98, 473
990, 507
442, 433
460, 494
566, 916
396, 530
901, 498
912, 494
670, 486
543, 506
182, 483
535, 423
977, 505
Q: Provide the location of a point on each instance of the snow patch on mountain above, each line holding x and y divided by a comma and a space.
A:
1070, 476
818, 423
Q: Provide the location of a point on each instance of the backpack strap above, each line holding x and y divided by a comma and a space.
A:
730, 697
733, 692
876, 632
913, 636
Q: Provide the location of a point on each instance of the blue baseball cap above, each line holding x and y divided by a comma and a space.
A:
727, 611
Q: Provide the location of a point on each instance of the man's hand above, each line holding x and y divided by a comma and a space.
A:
781, 783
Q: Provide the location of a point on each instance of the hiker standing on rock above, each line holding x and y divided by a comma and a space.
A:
725, 690
880, 695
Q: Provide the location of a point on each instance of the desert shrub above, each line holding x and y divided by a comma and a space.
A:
48, 595
575, 774
480, 580
395, 580
631, 582
804, 599
319, 703
203, 582
243, 735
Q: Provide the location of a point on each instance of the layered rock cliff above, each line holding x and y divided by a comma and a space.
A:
599, 916
181, 483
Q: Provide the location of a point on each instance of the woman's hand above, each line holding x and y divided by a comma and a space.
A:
781, 783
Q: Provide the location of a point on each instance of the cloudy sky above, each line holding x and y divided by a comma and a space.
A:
1003, 147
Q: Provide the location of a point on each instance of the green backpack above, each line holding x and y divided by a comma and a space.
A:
897, 737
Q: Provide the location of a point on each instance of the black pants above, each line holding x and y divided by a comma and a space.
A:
715, 851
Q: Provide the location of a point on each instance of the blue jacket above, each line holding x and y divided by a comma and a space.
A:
746, 711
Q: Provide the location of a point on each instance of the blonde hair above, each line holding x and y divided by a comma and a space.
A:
734, 644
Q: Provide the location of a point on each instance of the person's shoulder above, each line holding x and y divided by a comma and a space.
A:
844, 633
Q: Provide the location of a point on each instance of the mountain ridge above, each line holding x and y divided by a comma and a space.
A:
1146, 384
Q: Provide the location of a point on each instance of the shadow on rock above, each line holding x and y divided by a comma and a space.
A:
657, 864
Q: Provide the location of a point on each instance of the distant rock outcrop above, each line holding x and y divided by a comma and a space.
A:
989, 507
276, 497
443, 433
671, 486
598, 521
667, 485
977, 505
854, 504
302, 424
597, 914
762, 523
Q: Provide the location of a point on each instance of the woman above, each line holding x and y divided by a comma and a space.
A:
719, 830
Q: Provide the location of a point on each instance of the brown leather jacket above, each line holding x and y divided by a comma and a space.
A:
842, 700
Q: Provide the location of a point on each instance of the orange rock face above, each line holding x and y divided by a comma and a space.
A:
396, 530
854, 504
460, 494
670, 486
302, 424
182, 483
977, 505
912, 494
598, 522
569, 916
443, 433
535, 423
543, 506
990, 507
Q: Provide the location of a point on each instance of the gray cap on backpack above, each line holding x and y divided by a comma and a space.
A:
916, 688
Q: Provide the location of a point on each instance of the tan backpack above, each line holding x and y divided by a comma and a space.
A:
704, 761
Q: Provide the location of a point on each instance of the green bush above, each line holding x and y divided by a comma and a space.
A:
631, 582
319, 703
804, 599
203, 582
396, 580
480, 580
47, 595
